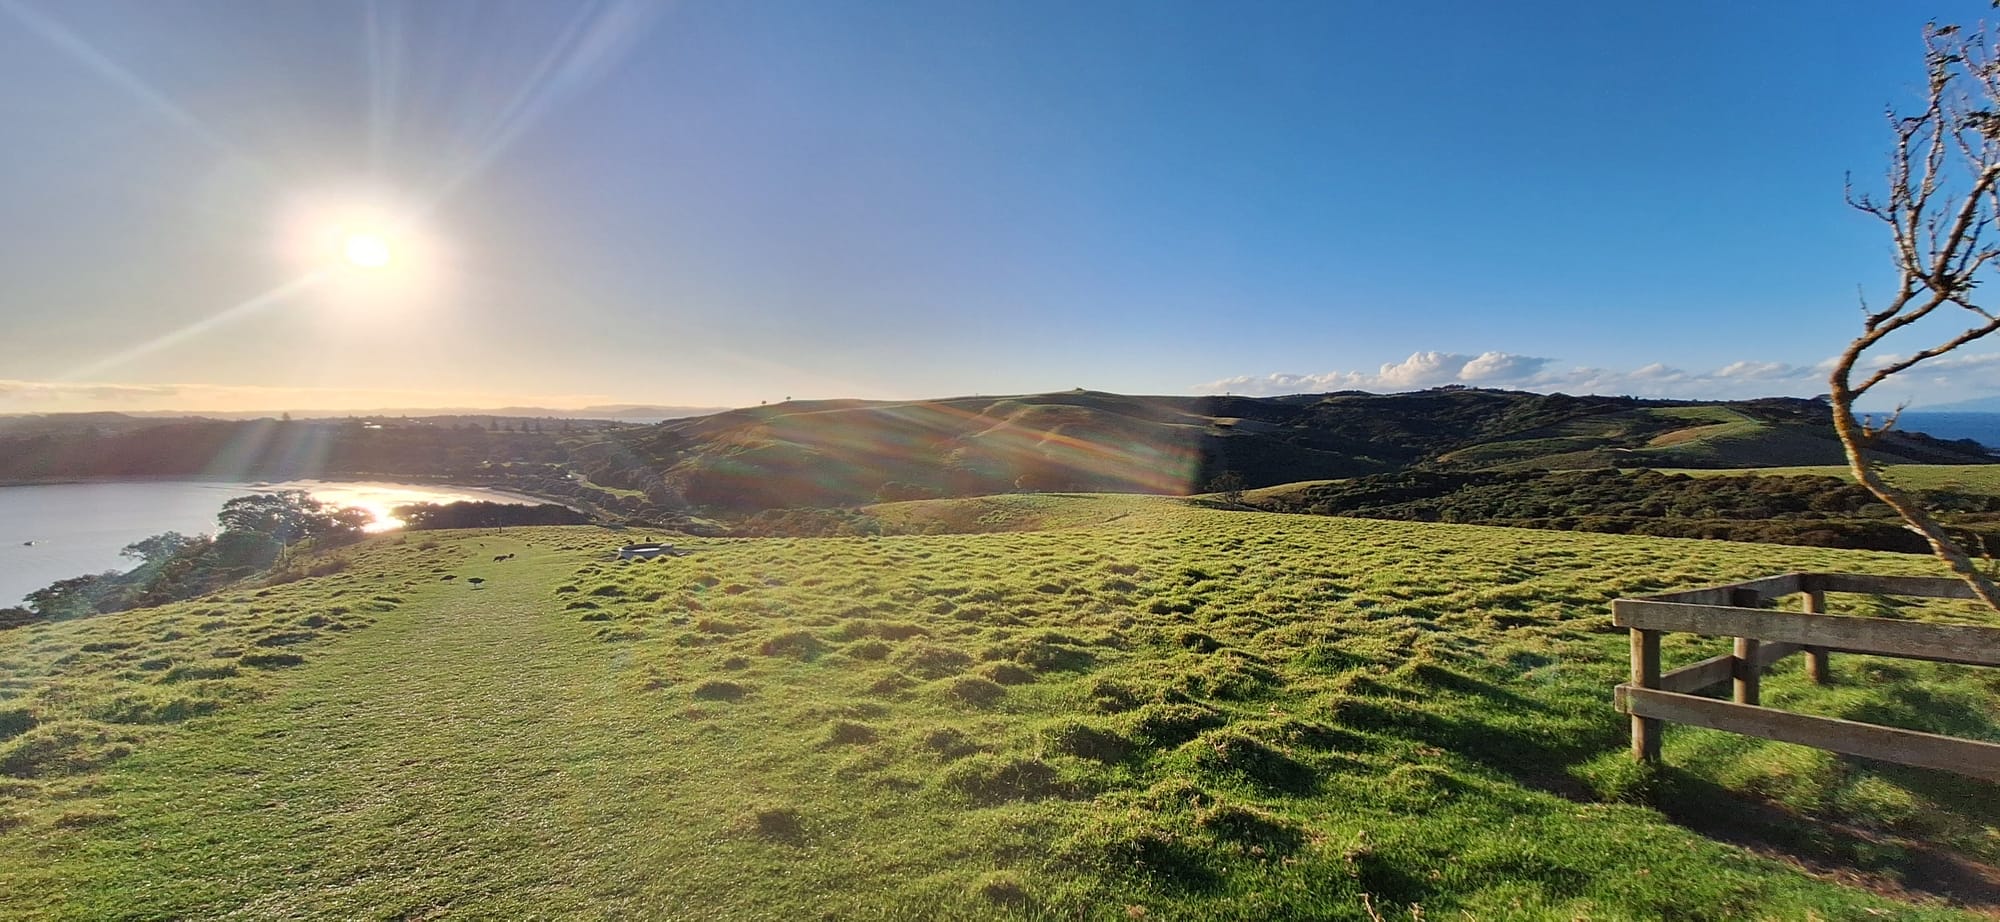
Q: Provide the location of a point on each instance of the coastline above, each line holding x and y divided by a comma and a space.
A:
411, 479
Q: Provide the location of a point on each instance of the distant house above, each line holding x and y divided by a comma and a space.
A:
644, 551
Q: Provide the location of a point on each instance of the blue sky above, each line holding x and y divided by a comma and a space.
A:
722, 203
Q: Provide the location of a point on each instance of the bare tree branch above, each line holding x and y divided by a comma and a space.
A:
1938, 242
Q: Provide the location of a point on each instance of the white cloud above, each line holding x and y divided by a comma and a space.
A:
1420, 370
1949, 378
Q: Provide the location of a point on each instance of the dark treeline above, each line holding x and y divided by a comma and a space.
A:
272, 449
1811, 511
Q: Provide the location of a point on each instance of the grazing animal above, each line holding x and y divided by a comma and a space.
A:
504, 557
448, 577
475, 581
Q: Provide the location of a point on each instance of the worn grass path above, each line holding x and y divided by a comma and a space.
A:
471, 754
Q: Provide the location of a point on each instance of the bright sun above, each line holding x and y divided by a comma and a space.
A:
368, 251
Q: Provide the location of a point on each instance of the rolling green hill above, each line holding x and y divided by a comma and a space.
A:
1101, 707
845, 453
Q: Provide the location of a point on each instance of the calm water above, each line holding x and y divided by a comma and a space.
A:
77, 528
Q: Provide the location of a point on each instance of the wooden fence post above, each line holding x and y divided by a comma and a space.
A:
1645, 674
1748, 675
1817, 667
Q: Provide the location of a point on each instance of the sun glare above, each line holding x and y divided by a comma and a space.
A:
368, 251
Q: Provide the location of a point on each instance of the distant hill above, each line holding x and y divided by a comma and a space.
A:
834, 453
622, 412
838, 453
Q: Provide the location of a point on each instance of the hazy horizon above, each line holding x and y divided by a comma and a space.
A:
243, 207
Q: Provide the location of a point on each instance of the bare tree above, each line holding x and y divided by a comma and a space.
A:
1940, 210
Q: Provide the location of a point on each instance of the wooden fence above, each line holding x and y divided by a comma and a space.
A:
1763, 636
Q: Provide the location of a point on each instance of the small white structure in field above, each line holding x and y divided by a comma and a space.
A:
645, 551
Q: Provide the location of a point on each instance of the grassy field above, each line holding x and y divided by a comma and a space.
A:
1064, 707
1976, 479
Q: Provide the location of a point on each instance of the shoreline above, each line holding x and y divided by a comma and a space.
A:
252, 485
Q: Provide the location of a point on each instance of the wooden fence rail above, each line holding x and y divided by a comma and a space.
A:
1765, 636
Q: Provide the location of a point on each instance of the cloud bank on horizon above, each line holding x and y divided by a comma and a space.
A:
1941, 380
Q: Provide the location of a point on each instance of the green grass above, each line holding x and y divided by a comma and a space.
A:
1061, 707
1974, 479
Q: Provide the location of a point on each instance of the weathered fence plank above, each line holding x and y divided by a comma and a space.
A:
1930, 587
1715, 670
1769, 587
1972, 758
1942, 643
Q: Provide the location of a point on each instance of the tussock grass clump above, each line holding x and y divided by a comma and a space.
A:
848, 732
134, 707
795, 644
1260, 832
995, 779
1231, 674
1171, 723
1002, 888
718, 690
62, 747
1112, 696
270, 660
1159, 849
1005, 674
1047, 651
783, 825
1085, 740
949, 742
1232, 753
933, 661
871, 650
15, 721
974, 690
